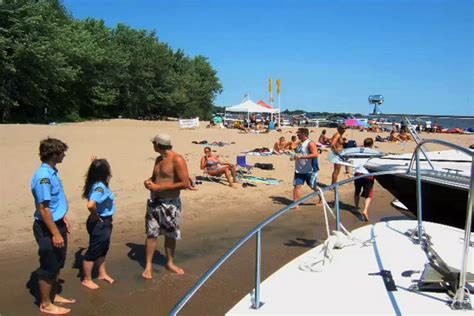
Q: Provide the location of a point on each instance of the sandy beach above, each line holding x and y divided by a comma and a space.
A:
214, 217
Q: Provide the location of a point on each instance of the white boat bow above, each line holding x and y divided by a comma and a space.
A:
352, 283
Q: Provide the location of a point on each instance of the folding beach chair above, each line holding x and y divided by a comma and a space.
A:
207, 177
242, 163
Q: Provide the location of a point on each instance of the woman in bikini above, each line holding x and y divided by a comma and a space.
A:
214, 167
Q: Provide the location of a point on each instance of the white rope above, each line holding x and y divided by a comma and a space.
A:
336, 240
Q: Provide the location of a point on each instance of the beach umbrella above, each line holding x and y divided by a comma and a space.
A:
355, 123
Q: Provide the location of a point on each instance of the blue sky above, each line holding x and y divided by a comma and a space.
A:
330, 55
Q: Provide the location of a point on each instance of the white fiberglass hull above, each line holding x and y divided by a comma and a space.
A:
346, 285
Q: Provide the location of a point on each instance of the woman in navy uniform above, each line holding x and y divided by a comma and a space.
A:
101, 205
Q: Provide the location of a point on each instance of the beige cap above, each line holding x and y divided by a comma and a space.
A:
162, 139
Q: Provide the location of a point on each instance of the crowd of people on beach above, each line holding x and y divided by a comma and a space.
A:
169, 177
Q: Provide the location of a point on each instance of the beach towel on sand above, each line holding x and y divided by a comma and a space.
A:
264, 151
216, 143
253, 179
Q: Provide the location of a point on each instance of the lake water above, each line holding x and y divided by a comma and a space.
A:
448, 122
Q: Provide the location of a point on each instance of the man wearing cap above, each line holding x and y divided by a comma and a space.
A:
170, 176
50, 227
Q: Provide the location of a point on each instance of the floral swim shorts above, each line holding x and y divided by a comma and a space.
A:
163, 217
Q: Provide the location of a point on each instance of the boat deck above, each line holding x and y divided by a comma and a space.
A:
347, 286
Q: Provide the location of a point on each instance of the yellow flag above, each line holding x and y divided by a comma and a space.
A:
270, 88
278, 82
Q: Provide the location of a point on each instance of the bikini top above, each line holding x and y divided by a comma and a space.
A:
212, 164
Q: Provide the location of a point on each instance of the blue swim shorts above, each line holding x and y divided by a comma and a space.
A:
309, 178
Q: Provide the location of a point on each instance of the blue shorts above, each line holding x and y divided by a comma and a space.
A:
309, 178
100, 233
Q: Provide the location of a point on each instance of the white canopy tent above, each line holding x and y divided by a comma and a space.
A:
248, 107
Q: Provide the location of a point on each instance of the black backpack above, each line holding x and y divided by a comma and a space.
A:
264, 166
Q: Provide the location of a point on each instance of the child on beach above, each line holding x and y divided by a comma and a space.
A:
101, 206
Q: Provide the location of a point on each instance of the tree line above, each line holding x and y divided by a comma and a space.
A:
56, 67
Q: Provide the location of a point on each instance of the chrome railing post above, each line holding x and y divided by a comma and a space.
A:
338, 210
419, 197
258, 263
461, 300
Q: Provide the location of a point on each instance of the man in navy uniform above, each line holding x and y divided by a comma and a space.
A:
50, 227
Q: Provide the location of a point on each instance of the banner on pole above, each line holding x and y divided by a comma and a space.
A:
189, 123
270, 88
278, 82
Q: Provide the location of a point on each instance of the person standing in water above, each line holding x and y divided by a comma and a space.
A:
170, 176
101, 205
50, 227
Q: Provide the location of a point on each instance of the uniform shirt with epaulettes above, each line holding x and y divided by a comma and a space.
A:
104, 199
46, 186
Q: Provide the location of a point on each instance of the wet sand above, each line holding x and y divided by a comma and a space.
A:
214, 217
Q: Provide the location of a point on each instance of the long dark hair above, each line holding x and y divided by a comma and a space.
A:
99, 170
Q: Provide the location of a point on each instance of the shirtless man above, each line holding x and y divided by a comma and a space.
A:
337, 145
170, 176
280, 146
293, 144
323, 139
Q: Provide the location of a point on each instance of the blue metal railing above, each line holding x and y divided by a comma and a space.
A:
258, 229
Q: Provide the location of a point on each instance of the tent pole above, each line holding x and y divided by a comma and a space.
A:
279, 111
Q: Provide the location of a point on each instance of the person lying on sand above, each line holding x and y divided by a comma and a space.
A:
393, 138
213, 166
404, 136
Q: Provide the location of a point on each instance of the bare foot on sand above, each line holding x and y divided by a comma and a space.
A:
52, 309
106, 278
366, 216
147, 274
59, 299
233, 186
175, 269
90, 284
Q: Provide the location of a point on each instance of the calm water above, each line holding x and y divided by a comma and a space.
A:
444, 121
